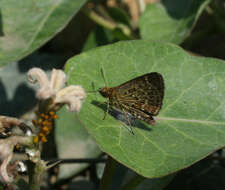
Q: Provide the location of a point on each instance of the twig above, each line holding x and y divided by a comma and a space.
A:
78, 160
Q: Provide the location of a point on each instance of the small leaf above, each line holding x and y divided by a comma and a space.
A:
99, 36
191, 123
170, 21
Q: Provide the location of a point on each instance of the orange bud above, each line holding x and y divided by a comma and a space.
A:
46, 130
51, 113
41, 134
46, 116
36, 139
56, 116
40, 121
43, 139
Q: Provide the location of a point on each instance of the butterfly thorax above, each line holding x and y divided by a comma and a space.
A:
106, 92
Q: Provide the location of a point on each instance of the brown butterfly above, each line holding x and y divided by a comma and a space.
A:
141, 97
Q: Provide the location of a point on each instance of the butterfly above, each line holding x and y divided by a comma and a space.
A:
142, 97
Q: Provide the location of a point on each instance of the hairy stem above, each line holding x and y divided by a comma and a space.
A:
36, 171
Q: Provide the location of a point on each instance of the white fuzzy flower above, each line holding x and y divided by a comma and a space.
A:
54, 88
6, 153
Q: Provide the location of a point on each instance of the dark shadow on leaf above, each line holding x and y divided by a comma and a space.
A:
181, 9
24, 99
3, 99
18, 105
41, 60
1, 25
126, 118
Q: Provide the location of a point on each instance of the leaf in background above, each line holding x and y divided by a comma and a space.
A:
73, 141
170, 20
99, 36
206, 174
26, 25
119, 15
191, 123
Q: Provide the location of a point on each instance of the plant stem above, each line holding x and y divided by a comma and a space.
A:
109, 171
36, 171
133, 183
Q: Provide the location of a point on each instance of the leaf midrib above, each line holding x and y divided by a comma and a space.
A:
190, 120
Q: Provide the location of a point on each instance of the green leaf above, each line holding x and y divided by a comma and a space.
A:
119, 15
99, 36
170, 20
26, 25
73, 141
191, 123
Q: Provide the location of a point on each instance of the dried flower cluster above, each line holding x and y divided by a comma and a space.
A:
7, 145
52, 95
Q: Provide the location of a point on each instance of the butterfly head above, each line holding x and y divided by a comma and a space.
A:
105, 92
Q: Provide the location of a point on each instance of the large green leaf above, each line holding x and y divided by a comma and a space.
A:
25, 25
191, 123
170, 20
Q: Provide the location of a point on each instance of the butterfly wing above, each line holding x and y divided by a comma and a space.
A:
142, 96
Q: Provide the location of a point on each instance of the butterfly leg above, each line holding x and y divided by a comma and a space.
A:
107, 111
129, 123
128, 128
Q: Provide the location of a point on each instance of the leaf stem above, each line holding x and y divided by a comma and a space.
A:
218, 16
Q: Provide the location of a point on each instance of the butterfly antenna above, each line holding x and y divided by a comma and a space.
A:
93, 87
103, 76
